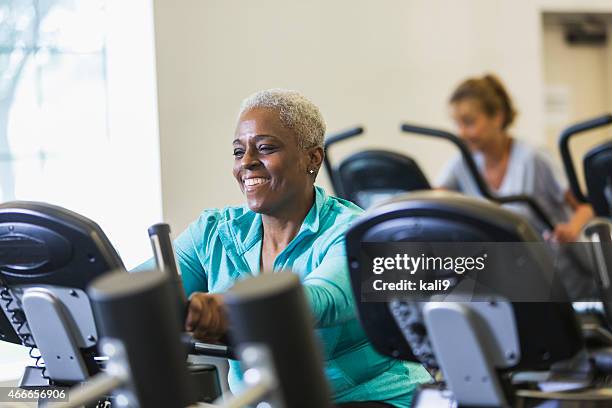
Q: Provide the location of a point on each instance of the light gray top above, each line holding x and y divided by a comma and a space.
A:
530, 171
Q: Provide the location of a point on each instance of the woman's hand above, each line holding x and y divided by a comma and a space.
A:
206, 317
565, 233
570, 231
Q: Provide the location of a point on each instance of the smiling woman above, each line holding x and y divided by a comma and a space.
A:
271, 167
288, 224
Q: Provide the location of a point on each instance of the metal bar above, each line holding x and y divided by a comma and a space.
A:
250, 396
483, 188
330, 140
96, 388
566, 156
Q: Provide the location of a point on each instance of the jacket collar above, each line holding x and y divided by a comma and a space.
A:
240, 234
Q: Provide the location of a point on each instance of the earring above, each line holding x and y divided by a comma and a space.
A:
311, 171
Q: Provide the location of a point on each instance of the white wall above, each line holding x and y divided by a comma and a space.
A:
579, 79
363, 62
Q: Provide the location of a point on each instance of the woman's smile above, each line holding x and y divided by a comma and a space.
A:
252, 184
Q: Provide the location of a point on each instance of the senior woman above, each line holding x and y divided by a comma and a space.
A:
288, 223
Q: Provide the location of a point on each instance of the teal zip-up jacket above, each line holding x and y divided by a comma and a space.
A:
224, 245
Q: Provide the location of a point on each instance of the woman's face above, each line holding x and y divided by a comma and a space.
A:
270, 167
474, 126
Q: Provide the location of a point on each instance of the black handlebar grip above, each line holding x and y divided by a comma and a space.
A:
271, 310
165, 259
137, 309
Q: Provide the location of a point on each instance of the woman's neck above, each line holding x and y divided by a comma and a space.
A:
279, 229
496, 163
497, 153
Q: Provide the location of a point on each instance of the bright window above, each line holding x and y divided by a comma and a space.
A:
78, 117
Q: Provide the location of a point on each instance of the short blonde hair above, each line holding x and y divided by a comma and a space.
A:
295, 111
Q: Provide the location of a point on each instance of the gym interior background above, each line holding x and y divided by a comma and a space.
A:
124, 111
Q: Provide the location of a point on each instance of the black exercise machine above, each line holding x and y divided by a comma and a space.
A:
597, 164
48, 257
481, 347
145, 373
116, 336
369, 176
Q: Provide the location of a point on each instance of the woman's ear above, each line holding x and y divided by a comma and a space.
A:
315, 158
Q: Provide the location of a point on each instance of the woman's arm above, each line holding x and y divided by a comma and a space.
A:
582, 213
551, 186
328, 288
206, 314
